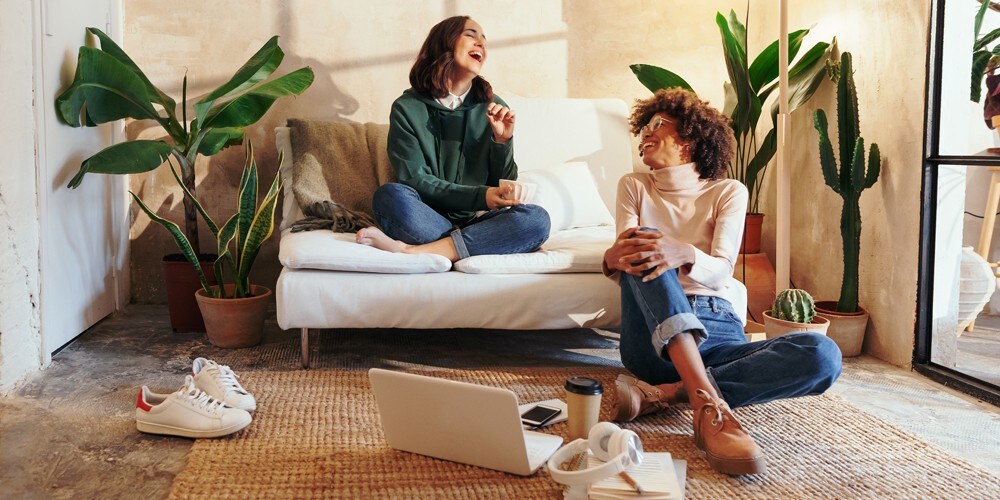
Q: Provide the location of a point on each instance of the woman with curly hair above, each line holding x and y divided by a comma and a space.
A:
451, 141
680, 229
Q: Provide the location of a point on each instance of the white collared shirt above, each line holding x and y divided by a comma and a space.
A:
452, 101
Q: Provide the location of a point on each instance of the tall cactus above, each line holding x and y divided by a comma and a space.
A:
794, 305
852, 178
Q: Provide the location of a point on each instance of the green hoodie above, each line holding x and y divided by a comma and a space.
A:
448, 156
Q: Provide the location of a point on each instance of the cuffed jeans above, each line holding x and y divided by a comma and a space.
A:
798, 364
403, 216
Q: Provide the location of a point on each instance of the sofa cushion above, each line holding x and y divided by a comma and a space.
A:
578, 250
568, 193
326, 250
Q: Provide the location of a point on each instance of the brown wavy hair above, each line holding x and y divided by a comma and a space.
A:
704, 128
430, 72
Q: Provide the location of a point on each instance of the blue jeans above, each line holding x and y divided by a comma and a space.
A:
403, 216
798, 364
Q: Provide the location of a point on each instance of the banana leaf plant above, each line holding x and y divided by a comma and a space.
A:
109, 86
749, 86
244, 232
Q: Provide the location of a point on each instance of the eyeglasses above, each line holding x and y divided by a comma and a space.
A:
656, 123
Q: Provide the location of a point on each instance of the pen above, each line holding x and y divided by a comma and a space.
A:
631, 482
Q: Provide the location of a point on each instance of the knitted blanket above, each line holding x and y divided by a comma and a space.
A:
336, 167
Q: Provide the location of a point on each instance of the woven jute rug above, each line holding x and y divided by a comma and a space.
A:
316, 433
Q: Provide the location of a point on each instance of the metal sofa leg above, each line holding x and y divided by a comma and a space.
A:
305, 348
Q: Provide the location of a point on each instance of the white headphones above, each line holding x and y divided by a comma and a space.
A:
618, 448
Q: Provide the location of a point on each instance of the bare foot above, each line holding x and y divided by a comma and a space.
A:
374, 237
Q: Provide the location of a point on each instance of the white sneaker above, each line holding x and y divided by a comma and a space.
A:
189, 412
219, 381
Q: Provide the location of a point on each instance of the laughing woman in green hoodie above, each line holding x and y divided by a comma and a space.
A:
450, 144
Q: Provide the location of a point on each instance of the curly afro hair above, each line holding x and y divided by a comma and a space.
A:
706, 129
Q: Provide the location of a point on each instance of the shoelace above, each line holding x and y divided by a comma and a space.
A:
721, 407
199, 399
227, 377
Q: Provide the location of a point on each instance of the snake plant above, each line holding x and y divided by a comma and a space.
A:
749, 86
852, 178
109, 86
239, 239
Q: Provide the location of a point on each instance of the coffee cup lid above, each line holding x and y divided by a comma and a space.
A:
584, 385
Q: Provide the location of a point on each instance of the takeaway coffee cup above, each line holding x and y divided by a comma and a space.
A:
583, 404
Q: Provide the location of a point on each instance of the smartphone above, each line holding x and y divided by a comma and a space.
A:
538, 415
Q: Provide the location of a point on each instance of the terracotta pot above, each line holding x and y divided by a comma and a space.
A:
751, 233
846, 329
181, 282
777, 327
233, 323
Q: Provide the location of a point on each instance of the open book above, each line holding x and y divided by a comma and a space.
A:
659, 476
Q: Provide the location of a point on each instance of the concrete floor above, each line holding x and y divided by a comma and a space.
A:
69, 432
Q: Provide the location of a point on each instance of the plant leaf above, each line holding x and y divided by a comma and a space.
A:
223, 239
986, 39
109, 89
804, 83
980, 60
194, 201
738, 28
748, 105
156, 95
256, 69
260, 229
249, 107
217, 139
979, 18
757, 165
247, 203
765, 66
179, 238
131, 157
655, 78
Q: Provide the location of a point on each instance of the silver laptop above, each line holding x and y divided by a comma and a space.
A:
467, 423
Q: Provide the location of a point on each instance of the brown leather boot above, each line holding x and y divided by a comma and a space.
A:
636, 398
728, 448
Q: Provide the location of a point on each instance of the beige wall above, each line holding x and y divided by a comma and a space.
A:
20, 343
888, 42
362, 52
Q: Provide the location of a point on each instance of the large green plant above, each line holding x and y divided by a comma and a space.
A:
852, 177
749, 86
244, 232
109, 86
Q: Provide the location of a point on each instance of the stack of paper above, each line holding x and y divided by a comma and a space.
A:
657, 475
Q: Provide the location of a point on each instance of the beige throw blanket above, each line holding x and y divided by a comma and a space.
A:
335, 170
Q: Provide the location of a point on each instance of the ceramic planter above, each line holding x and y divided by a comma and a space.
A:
777, 327
233, 323
751, 233
847, 330
181, 281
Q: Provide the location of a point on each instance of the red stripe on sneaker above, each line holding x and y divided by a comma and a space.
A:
142, 405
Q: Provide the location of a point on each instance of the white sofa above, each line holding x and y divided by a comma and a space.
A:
559, 287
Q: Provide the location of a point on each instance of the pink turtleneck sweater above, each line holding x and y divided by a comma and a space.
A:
706, 214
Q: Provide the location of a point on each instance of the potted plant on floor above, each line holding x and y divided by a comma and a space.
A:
749, 86
793, 312
109, 86
848, 320
233, 312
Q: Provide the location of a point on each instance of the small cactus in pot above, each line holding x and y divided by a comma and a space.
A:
794, 311
794, 305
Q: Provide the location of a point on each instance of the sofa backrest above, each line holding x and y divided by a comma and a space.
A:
549, 132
